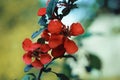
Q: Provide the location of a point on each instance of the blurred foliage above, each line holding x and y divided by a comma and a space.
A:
18, 20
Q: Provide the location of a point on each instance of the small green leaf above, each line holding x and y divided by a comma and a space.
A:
35, 34
94, 61
42, 21
27, 68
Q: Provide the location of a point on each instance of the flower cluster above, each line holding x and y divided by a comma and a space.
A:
36, 53
55, 39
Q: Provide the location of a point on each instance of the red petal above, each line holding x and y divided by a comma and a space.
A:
45, 35
59, 51
37, 64
27, 58
45, 58
27, 44
55, 26
44, 47
34, 46
41, 11
55, 40
70, 46
76, 29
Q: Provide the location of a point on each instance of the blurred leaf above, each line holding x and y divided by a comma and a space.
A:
27, 68
33, 75
29, 76
26, 77
94, 61
50, 8
47, 70
62, 76
88, 68
87, 34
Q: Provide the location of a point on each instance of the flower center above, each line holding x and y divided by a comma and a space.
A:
65, 31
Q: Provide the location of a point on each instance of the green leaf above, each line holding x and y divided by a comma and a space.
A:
27, 68
50, 8
94, 61
35, 34
42, 21
62, 76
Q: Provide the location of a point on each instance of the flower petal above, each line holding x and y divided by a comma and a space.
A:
55, 40
45, 58
44, 48
37, 64
27, 58
70, 46
54, 26
59, 51
45, 35
76, 29
34, 46
41, 11
27, 44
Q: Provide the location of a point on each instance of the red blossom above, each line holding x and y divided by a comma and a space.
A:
36, 55
55, 26
36, 59
41, 11
62, 38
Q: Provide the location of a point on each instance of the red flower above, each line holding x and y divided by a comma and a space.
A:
41, 11
55, 26
36, 59
62, 38
36, 54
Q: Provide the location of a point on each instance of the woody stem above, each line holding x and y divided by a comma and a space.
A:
40, 73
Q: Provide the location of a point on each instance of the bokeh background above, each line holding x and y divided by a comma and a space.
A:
100, 18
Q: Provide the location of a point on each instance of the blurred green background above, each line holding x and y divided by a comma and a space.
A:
18, 20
